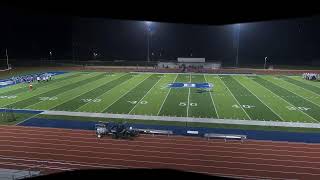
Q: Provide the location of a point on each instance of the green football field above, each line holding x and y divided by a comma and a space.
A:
268, 98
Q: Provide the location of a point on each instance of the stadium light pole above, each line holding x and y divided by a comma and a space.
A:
238, 36
148, 23
7, 58
265, 62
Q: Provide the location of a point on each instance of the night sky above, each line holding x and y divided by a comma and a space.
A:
294, 41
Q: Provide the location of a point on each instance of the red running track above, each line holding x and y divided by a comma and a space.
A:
54, 150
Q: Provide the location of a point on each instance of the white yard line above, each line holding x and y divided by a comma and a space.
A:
72, 90
304, 82
286, 101
295, 93
26, 119
166, 97
144, 95
51, 89
304, 88
188, 98
260, 100
104, 93
212, 99
235, 98
125, 93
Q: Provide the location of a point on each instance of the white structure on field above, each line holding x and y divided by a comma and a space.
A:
190, 63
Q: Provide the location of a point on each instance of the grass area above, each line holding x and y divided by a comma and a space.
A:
267, 98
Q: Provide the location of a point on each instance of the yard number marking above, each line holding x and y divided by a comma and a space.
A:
244, 106
184, 104
48, 98
292, 108
135, 102
7, 97
91, 100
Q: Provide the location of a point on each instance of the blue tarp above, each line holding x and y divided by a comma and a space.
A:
182, 130
20, 111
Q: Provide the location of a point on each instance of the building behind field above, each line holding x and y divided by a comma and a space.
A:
190, 63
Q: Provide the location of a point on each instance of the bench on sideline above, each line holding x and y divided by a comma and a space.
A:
225, 136
154, 131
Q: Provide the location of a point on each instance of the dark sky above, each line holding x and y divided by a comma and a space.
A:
295, 41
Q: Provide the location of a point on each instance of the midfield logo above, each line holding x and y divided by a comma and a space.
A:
190, 85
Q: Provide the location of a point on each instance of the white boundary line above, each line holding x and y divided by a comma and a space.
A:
304, 82
108, 81
259, 99
107, 92
295, 93
214, 74
51, 89
27, 119
303, 88
125, 93
166, 97
188, 98
286, 101
235, 98
144, 96
184, 119
212, 99
73, 89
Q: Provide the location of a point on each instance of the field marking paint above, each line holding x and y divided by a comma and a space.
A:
235, 98
260, 99
188, 97
304, 82
105, 92
297, 95
85, 92
166, 97
212, 99
26, 119
252, 74
145, 95
67, 92
317, 95
125, 93
285, 100
46, 90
